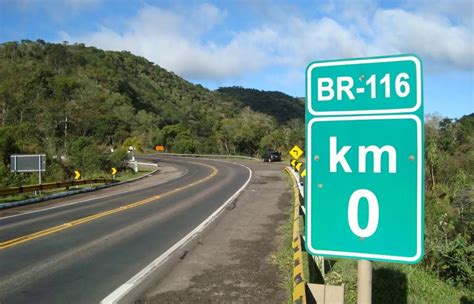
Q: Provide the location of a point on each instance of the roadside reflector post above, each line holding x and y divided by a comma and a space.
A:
113, 171
364, 282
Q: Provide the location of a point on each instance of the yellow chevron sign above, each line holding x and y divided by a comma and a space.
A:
303, 174
77, 175
114, 171
293, 162
298, 166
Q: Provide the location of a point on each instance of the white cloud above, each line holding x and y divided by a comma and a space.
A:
175, 42
460, 12
431, 37
304, 41
180, 41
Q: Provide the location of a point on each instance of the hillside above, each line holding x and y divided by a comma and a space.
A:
79, 102
276, 104
108, 95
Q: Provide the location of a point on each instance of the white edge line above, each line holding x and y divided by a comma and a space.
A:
414, 59
125, 288
419, 236
86, 200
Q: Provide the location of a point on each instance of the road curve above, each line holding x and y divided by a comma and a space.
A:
79, 253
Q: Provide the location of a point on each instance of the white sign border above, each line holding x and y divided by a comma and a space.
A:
419, 208
315, 65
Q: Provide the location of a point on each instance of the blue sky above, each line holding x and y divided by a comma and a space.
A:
266, 44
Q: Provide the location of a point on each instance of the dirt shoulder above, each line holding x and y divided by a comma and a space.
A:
234, 262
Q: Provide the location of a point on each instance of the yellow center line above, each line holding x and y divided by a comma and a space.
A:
41, 233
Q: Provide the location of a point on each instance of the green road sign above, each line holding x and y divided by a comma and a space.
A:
365, 164
364, 86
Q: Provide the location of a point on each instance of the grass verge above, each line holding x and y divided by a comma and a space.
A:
283, 256
392, 283
397, 283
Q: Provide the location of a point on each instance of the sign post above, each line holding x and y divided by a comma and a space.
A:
28, 163
365, 167
364, 281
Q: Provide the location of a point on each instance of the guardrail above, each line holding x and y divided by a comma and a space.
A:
299, 284
307, 291
47, 186
205, 155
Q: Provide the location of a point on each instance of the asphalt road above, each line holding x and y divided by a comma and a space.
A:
79, 253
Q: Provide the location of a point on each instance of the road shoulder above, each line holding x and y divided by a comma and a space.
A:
234, 261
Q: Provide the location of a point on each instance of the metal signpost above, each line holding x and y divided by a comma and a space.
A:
28, 163
365, 167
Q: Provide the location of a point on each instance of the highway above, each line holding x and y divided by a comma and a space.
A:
81, 252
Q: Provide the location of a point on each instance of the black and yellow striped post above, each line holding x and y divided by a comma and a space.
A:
299, 284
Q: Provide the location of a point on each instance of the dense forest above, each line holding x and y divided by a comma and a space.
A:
276, 104
76, 103
449, 196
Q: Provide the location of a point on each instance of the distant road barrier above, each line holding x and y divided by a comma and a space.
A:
46, 186
204, 155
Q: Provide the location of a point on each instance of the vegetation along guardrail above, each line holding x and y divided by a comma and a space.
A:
46, 186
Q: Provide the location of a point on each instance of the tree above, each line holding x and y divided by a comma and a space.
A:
134, 142
7, 145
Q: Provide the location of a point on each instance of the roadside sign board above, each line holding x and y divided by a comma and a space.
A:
28, 163
365, 172
160, 148
77, 175
364, 86
296, 152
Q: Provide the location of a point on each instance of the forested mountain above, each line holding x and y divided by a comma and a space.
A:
276, 104
76, 102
